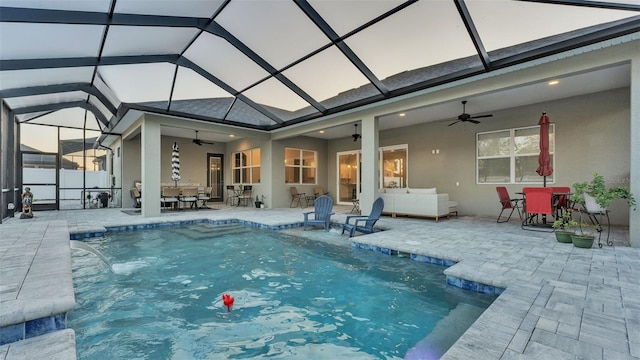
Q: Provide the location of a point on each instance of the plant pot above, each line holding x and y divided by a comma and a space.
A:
592, 206
582, 241
258, 204
564, 236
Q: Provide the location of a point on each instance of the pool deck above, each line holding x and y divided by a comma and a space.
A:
559, 302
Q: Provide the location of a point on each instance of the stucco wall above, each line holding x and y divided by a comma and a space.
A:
592, 135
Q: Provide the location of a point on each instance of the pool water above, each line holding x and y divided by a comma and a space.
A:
295, 298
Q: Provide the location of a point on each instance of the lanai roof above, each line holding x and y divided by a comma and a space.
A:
271, 63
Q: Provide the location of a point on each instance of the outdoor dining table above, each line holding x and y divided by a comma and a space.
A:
559, 202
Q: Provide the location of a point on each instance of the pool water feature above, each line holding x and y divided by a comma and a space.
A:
295, 298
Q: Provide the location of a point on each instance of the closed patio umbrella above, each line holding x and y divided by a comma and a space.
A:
544, 158
175, 164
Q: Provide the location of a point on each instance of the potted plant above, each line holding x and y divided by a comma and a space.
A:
584, 239
596, 197
563, 227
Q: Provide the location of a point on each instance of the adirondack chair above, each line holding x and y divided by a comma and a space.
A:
321, 216
364, 223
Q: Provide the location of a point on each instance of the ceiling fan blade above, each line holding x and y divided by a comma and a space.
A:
455, 122
474, 121
481, 116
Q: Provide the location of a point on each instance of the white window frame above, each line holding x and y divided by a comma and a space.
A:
249, 166
301, 167
512, 156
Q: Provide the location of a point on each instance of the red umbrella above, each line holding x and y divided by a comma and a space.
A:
544, 159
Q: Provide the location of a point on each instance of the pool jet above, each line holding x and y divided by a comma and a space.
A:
75, 244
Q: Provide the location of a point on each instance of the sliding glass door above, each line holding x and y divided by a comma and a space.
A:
348, 176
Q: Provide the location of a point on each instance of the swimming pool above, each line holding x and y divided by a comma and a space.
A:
295, 298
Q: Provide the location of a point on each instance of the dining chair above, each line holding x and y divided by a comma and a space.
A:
232, 195
537, 202
169, 197
204, 196
507, 203
245, 196
189, 195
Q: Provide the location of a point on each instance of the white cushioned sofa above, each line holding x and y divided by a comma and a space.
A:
416, 202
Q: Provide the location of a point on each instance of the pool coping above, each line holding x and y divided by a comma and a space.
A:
525, 321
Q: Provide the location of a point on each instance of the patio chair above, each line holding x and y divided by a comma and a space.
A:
204, 196
507, 203
245, 197
232, 195
364, 223
297, 197
169, 197
319, 191
137, 197
189, 196
321, 214
537, 201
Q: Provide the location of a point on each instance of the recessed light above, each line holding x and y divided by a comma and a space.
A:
231, 135
321, 131
402, 114
553, 82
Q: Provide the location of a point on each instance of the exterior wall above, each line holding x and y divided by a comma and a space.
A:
281, 193
193, 160
248, 143
592, 135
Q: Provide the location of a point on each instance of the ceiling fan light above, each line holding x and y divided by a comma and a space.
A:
355, 135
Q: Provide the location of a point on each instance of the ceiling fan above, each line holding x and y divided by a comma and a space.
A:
200, 142
464, 117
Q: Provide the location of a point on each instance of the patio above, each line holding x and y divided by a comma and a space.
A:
559, 302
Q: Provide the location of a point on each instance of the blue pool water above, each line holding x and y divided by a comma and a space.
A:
295, 298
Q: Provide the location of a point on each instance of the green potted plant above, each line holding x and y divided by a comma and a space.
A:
563, 227
596, 197
586, 235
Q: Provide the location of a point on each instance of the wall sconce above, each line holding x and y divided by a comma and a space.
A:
435, 151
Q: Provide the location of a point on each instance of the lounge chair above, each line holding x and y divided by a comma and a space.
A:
321, 214
204, 196
364, 223
507, 203
297, 197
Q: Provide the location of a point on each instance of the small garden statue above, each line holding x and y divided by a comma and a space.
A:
27, 201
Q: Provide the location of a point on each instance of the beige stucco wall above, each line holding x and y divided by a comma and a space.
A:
592, 135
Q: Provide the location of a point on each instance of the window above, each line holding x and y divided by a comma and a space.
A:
246, 167
394, 166
299, 166
511, 156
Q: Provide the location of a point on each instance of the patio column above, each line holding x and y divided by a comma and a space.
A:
150, 156
634, 172
369, 174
